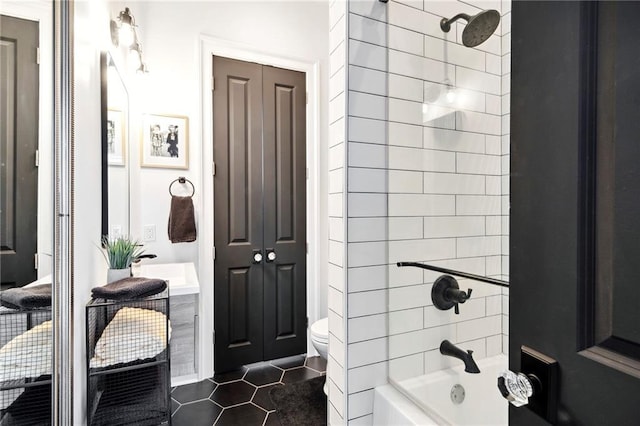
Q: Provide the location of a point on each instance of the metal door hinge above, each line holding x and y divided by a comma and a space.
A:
35, 260
307, 173
307, 245
306, 98
306, 325
213, 83
214, 253
38, 55
37, 158
213, 168
213, 335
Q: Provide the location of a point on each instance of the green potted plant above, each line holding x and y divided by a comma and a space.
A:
120, 253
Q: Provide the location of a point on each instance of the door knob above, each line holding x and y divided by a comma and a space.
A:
271, 255
536, 386
257, 256
517, 388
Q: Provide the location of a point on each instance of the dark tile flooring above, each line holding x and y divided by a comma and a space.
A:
240, 397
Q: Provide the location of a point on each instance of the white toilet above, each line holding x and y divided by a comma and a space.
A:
320, 336
319, 331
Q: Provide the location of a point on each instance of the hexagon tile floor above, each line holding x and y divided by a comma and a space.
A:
240, 397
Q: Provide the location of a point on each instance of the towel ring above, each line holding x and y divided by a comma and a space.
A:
183, 180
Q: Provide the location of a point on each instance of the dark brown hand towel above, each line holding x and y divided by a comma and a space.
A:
129, 288
182, 222
37, 296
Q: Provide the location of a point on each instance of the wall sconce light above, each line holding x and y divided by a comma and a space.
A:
124, 33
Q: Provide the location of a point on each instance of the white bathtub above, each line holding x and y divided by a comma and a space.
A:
426, 400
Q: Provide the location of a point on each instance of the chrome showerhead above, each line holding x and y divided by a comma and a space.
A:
479, 27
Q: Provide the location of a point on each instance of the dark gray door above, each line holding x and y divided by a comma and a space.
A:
285, 290
575, 204
259, 203
18, 145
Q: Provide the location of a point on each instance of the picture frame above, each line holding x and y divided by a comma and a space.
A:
115, 138
165, 141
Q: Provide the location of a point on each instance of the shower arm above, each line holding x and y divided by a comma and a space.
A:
445, 24
474, 277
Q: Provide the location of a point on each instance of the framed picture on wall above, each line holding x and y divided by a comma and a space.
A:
165, 141
115, 137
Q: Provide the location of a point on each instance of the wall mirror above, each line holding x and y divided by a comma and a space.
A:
28, 51
115, 149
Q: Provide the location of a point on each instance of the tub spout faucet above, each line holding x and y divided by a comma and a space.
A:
449, 349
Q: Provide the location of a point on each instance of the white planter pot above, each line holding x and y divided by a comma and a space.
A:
117, 274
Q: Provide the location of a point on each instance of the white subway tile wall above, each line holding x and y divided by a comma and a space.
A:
506, 157
368, 186
426, 170
336, 363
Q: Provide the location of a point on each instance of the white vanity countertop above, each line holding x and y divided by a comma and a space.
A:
182, 277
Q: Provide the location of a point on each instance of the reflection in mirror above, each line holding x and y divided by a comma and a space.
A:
26, 211
115, 142
19, 152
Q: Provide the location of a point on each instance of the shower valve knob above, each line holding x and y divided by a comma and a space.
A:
516, 388
446, 294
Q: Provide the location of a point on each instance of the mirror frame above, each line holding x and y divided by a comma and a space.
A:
62, 271
107, 66
104, 176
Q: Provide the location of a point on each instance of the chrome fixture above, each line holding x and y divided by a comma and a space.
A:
479, 27
449, 349
457, 394
124, 33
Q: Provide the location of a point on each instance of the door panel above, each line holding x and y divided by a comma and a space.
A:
618, 182
239, 307
285, 291
571, 203
237, 105
284, 100
18, 144
238, 172
284, 165
8, 144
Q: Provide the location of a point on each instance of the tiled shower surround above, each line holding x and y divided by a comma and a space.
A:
423, 176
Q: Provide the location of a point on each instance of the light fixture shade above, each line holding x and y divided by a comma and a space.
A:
126, 35
122, 29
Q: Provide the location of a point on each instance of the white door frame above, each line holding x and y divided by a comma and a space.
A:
209, 47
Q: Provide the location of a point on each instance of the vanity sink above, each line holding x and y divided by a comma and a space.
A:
182, 277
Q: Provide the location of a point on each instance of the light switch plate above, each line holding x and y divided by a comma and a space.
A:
116, 231
149, 233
